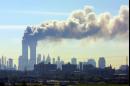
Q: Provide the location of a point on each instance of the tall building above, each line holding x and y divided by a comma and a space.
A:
32, 60
20, 63
3, 62
74, 61
43, 59
81, 65
10, 63
15, 67
101, 63
59, 64
28, 42
7, 66
54, 61
39, 58
58, 58
91, 62
62, 62
48, 59
0, 63
24, 57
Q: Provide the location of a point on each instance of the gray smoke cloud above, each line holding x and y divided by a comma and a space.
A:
85, 23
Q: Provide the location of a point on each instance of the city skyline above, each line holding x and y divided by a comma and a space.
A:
8, 63
113, 49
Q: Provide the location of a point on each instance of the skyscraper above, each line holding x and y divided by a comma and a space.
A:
74, 61
48, 59
91, 62
0, 63
59, 64
32, 60
10, 63
7, 66
54, 61
43, 59
20, 64
15, 67
101, 63
28, 42
24, 58
81, 65
39, 58
3, 62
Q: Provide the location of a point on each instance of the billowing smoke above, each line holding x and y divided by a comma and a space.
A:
85, 23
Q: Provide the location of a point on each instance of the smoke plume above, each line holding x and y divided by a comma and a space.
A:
85, 23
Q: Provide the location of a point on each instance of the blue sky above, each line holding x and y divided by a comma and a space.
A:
15, 15
35, 11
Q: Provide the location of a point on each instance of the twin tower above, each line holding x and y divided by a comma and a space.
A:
29, 43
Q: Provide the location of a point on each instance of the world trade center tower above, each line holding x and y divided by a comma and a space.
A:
29, 43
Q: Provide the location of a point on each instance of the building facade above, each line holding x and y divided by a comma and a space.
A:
101, 63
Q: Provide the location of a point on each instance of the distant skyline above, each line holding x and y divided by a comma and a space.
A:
16, 15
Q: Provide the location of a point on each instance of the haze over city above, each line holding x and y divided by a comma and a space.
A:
94, 29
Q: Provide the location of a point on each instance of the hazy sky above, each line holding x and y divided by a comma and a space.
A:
15, 15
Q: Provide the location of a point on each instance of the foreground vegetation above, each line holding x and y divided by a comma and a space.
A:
40, 84
102, 85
